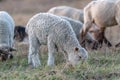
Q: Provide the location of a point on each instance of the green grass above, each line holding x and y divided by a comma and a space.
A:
102, 64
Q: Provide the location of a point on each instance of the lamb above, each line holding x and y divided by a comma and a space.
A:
6, 36
102, 13
67, 11
57, 34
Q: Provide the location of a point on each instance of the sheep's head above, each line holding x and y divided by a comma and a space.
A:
19, 33
87, 44
92, 41
98, 35
6, 53
92, 29
77, 55
16, 35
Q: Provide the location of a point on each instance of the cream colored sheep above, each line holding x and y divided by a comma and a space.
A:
102, 13
67, 11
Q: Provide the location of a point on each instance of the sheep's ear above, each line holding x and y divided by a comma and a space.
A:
76, 49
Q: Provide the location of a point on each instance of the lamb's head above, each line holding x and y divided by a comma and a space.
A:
6, 53
79, 54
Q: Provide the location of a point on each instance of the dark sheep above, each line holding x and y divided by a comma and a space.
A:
19, 33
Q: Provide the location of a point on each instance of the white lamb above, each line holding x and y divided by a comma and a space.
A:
6, 35
57, 34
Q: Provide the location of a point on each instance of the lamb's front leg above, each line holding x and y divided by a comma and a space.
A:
51, 51
33, 56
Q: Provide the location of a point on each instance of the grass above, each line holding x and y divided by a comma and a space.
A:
103, 64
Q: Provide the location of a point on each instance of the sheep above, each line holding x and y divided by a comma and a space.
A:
19, 33
77, 26
67, 11
57, 34
6, 36
102, 13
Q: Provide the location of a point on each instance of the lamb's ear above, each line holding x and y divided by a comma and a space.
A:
76, 48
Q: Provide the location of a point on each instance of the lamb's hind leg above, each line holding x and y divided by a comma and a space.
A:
33, 56
51, 51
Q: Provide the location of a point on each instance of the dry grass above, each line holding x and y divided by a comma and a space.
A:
102, 64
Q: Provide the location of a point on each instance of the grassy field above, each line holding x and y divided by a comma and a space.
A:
102, 64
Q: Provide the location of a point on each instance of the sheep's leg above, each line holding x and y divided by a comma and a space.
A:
33, 56
107, 42
11, 36
95, 45
11, 42
101, 38
51, 51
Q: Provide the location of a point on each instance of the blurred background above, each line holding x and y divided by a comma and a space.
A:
23, 10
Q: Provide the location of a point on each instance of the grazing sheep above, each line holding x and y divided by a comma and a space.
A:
57, 34
19, 33
6, 35
67, 11
102, 13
